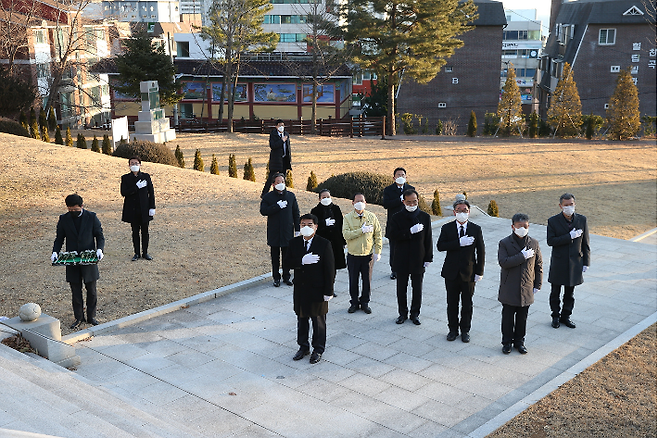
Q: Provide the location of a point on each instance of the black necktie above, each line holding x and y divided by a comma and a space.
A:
306, 245
461, 231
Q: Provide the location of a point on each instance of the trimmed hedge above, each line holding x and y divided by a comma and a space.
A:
146, 151
346, 185
11, 127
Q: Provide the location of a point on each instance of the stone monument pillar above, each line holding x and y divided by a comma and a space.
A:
151, 124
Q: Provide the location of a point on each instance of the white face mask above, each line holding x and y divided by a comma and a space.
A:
411, 208
400, 180
569, 209
307, 231
521, 232
280, 187
134, 168
462, 217
325, 201
360, 206
280, 129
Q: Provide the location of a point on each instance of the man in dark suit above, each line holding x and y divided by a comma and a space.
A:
462, 268
330, 226
82, 231
411, 230
568, 235
313, 260
280, 156
138, 205
393, 203
280, 207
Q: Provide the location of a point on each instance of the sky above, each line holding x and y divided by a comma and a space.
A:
543, 9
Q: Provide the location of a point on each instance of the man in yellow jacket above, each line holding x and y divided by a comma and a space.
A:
363, 235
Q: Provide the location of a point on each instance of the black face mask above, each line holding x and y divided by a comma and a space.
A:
75, 214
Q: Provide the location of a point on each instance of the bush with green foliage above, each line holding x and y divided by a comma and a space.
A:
34, 130
423, 205
33, 116
107, 145
95, 147
52, 120
198, 161
437, 210
232, 166
312, 182
12, 127
81, 142
472, 129
69, 137
592, 124
146, 151
214, 166
249, 174
179, 157
439, 127
43, 120
407, 123
58, 136
22, 119
492, 209
44, 134
267, 170
491, 122
346, 185
648, 126
544, 128
533, 125
289, 182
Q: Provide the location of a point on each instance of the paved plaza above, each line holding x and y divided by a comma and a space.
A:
220, 364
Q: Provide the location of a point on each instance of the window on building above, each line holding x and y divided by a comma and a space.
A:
39, 36
448, 68
43, 70
442, 105
183, 49
614, 69
607, 37
509, 53
530, 72
272, 19
186, 111
357, 78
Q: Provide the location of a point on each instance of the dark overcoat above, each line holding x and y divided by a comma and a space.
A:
518, 276
568, 256
463, 262
90, 236
281, 223
411, 250
333, 233
278, 161
136, 202
312, 282
392, 202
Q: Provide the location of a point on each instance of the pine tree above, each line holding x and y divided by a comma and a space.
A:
436, 204
179, 156
107, 145
23, 121
624, 109
214, 167
565, 112
95, 147
267, 170
509, 106
33, 116
492, 209
34, 130
439, 127
472, 125
52, 120
198, 161
69, 138
534, 125
44, 134
249, 173
312, 182
81, 142
289, 179
43, 120
58, 136
232, 166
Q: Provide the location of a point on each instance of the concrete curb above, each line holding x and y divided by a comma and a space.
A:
550, 386
643, 235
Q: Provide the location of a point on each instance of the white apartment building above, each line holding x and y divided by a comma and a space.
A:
141, 11
288, 18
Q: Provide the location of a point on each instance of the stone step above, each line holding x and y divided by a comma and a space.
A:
63, 404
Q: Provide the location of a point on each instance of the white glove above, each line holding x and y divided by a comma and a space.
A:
282, 204
585, 268
367, 228
466, 240
53, 257
378, 257
402, 198
477, 278
310, 259
141, 184
329, 221
575, 233
328, 297
535, 290
528, 253
151, 212
426, 264
99, 254
417, 228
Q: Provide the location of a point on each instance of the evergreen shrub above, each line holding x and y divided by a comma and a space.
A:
146, 151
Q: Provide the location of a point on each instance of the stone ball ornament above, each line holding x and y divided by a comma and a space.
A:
29, 312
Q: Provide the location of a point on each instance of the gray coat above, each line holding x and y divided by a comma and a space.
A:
281, 222
568, 255
518, 276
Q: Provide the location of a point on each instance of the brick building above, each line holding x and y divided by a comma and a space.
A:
599, 38
470, 79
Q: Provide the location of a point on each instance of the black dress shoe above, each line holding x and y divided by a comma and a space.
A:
135, 257
335, 294
415, 320
466, 337
394, 275
77, 323
277, 283
507, 348
288, 282
301, 353
315, 357
522, 349
368, 310
147, 256
401, 319
556, 322
568, 322
452, 336
92, 321
353, 308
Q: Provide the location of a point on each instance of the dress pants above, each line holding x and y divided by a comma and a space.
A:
416, 293
78, 304
456, 289
277, 252
567, 301
391, 248
319, 339
513, 324
359, 265
144, 227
